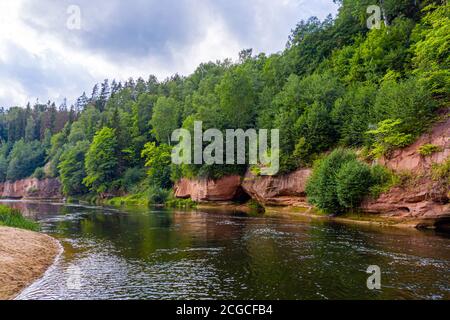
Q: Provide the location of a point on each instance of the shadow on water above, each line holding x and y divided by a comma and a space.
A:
168, 254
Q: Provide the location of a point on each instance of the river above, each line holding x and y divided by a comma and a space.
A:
170, 254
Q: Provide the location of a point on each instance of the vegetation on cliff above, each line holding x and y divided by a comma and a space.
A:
336, 84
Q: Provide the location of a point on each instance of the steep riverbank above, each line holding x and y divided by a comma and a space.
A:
24, 257
419, 200
31, 188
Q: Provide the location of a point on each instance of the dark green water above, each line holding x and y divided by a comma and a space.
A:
160, 254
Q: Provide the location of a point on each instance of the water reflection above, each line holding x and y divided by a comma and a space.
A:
165, 254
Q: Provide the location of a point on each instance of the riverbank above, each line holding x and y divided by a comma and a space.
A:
309, 213
24, 258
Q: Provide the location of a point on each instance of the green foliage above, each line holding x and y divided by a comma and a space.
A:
408, 101
429, 149
321, 187
441, 172
157, 195
335, 81
13, 218
165, 119
383, 180
101, 161
72, 169
24, 159
39, 173
431, 50
132, 177
353, 182
158, 160
388, 137
339, 182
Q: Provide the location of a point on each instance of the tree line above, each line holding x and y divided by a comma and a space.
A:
336, 84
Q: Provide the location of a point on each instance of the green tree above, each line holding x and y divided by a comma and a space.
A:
101, 161
158, 161
24, 159
72, 168
165, 119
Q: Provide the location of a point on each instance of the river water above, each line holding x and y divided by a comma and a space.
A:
169, 254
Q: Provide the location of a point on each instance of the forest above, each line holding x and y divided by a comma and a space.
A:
337, 85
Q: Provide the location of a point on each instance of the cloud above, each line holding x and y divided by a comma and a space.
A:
41, 58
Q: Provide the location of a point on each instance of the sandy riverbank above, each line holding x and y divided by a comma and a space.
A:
24, 258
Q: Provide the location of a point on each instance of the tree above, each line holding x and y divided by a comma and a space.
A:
388, 137
158, 161
165, 119
24, 159
30, 130
72, 170
431, 57
101, 161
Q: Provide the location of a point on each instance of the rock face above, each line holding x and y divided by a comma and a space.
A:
31, 189
422, 197
206, 190
286, 190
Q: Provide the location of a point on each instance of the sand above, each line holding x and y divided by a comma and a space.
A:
24, 258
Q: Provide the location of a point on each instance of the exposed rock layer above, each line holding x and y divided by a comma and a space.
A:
205, 190
31, 189
286, 190
421, 197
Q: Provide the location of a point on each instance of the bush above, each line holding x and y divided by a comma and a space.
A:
383, 180
157, 195
39, 173
441, 172
132, 177
388, 137
322, 186
353, 182
13, 218
340, 182
428, 149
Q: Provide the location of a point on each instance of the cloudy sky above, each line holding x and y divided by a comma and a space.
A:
42, 58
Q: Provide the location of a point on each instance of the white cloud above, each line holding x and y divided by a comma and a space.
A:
40, 58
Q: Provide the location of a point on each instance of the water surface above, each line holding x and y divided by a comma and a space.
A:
167, 254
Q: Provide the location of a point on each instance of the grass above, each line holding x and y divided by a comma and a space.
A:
13, 218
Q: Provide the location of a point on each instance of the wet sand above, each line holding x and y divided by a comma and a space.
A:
24, 258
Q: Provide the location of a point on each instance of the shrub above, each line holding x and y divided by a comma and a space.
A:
13, 218
428, 149
39, 173
353, 182
322, 186
157, 195
441, 172
388, 137
132, 177
383, 180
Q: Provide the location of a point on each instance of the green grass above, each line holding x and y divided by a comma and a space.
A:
13, 218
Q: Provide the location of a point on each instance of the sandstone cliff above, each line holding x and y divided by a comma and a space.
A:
31, 189
421, 197
206, 190
286, 190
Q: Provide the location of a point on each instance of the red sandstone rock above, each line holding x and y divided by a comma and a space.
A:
204, 190
286, 190
31, 189
425, 198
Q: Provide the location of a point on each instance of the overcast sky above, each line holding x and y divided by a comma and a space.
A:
41, 58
